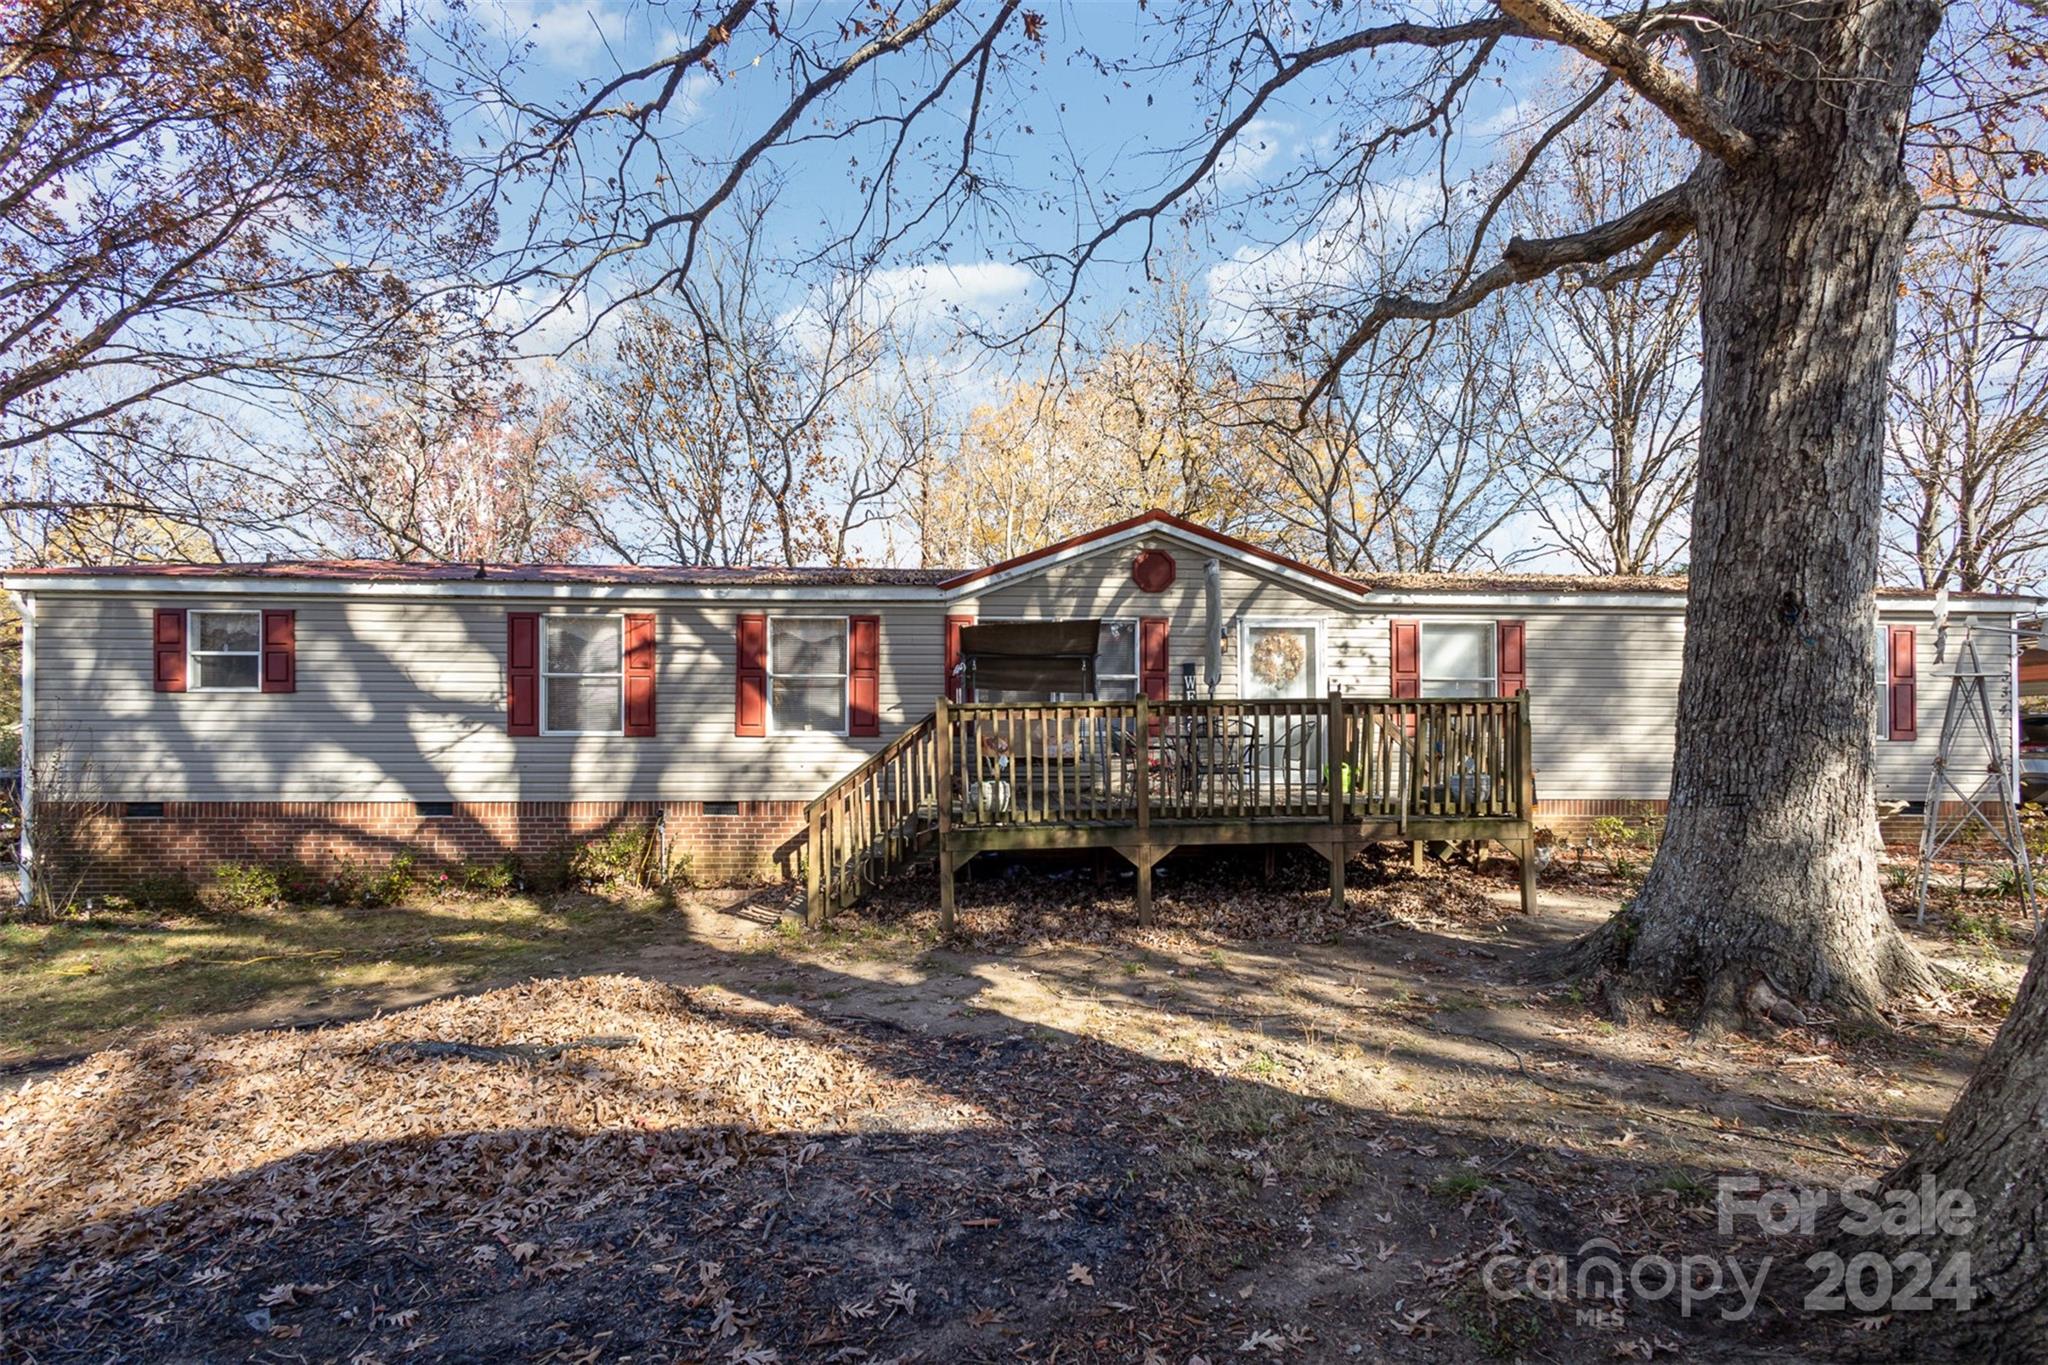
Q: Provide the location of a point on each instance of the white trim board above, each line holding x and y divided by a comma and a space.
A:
1148, 530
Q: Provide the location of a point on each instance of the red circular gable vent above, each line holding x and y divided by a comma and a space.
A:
1153, 570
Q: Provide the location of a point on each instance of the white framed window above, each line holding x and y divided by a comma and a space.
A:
807, 672
1459, 659
582, 675
1280, 658
1881, 723
224, 651
1116, 661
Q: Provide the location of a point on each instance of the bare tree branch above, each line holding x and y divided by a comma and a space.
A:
1521, 260
1635, 64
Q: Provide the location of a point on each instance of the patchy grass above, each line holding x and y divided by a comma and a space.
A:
1251, 1131
78, 980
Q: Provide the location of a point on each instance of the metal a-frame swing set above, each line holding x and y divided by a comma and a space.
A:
1971, 773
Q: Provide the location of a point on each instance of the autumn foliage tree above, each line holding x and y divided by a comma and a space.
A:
202, 200
1151, 415
403, 474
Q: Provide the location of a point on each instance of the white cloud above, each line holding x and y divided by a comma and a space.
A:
1258, 145
917, 301
927, 291
562, 30
1343, 252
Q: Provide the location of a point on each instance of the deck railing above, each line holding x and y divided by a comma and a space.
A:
1141, 763
1083, 763
872, 821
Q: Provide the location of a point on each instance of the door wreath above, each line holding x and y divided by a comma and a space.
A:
1277, 659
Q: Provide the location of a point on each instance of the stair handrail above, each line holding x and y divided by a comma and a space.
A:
834, 862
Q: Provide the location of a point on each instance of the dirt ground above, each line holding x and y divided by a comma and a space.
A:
1248, 1133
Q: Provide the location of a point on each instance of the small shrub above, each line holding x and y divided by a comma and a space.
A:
244, 886
162, 893
346, 887
390, 886
613, 857
490, 879
1611, 831
547, 873
297, 882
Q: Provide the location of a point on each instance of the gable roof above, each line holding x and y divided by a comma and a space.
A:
308, 575
1467, 584
1132, 528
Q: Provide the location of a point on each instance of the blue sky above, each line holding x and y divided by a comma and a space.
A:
1071, 149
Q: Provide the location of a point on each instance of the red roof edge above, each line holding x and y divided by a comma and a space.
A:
1157, 516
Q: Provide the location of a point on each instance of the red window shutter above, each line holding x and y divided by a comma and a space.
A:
170, 649
863, 675
280, 651
522, 672
1904, 720
956, 683
750, 704
1511, 638
1154, 634
1406, 671
640, 674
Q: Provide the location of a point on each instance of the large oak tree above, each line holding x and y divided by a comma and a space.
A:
203, 206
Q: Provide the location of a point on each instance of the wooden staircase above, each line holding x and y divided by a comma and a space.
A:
873, 821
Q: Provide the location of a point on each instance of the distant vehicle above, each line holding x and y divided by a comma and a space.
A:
2034, 759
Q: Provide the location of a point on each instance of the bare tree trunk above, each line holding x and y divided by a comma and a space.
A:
1766, 883
1991, 1148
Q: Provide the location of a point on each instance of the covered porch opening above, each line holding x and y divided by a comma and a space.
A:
1030, 660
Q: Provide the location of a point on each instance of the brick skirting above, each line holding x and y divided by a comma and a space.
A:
757, 841
1574, 819
739, 843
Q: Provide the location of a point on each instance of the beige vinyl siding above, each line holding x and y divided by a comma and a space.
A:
1903, 766
1603, 697
1603, 684
405, 700
402, 699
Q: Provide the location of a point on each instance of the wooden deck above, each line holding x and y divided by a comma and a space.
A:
1143, 778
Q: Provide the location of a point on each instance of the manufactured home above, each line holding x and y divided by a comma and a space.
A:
344, 711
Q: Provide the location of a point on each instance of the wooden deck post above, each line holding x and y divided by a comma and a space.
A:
814, 871
942, 737
1143, 776
1336, 752
1415, 856
1525, 756
1525, 753
946, 889
1142, 857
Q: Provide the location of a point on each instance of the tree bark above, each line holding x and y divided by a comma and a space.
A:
1765, 889
1990, 1147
